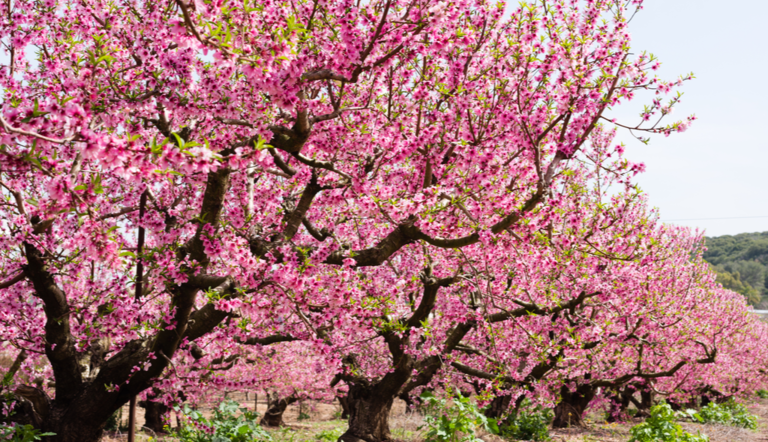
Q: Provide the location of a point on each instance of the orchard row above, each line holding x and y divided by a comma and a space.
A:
331, 198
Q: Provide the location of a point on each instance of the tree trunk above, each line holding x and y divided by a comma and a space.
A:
682, 404
711, 395
411, 403
570, 411
68, 426
154, 415
498, 407
617, 412
368, 414
276, 406
344, 406
646, 402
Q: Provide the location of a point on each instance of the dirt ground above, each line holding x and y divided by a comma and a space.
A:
323, 420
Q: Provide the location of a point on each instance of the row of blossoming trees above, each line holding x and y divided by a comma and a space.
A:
334, 197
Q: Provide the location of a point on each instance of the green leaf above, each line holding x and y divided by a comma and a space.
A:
108, 58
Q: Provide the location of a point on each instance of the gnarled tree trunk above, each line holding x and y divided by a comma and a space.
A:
154, 415
369, 409
276, 407
617, 412
344, 406
709, 395
73, 422
570, 411
498, 406
645, 404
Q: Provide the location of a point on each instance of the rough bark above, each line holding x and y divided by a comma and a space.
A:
276, 407
570, 411
498, 407
411, 403
344, 406
618, 410
368, 414
645, 404
154, 415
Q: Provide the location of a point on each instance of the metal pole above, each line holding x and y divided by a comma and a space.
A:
139, 283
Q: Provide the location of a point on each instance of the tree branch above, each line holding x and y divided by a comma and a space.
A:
60, 344
12, 281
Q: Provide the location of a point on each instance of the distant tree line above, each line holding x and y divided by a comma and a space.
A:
741, 264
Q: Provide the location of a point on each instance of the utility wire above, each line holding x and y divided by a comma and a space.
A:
704, 219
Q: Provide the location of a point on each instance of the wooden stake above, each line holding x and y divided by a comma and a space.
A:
139, 284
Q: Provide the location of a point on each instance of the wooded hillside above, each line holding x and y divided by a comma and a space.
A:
741, 262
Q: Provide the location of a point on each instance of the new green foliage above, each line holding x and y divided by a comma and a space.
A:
661, 427
729, 413
21, 433
529, 423
224, 426
454, 419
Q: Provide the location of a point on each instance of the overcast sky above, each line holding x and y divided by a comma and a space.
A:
719, 167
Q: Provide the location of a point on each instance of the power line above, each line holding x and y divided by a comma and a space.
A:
705, 219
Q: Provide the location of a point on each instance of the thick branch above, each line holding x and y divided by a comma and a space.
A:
317, 164
60, 344
280, 163
268, 340
431, 287
478, 373
532, 308
293, 219
8, 377
376, 255
12, 281
210, 212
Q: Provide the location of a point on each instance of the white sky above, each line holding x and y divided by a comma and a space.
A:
719, 167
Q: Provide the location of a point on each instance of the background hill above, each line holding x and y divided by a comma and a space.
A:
741, 263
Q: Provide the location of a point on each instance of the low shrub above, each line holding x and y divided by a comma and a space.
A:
21, 433
762, 393
224, 426
530, 424
729, 413
661, 427
454, 419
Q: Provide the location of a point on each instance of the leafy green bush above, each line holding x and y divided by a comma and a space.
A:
729, 413
454, 421
762, 393
530, 423
661, 427
21, 433
223, 426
